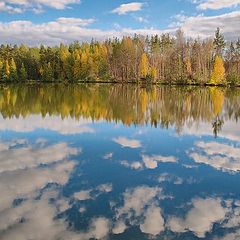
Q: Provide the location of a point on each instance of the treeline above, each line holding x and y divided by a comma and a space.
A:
162, 58
128, 104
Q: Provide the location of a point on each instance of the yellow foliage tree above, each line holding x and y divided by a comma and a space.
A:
7, 68
144, 65
1, 65
84, 59
188, 66
218, 74
144, 100
77, 66
217, 96
64, 53
153, 73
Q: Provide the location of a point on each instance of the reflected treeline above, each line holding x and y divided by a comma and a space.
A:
128, 103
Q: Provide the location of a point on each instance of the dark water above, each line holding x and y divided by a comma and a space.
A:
119, 162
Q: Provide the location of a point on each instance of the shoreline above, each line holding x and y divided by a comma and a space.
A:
156, 83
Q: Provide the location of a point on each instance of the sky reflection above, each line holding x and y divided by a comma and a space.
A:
69, 178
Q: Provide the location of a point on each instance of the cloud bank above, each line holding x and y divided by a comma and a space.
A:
37, 6
67, 30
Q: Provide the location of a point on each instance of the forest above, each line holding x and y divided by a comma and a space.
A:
157, 59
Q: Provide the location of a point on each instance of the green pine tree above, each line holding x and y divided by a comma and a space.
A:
22, 73
13, 71
47, 74
219, 42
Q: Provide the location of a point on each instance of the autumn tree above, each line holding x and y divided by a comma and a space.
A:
144, 66
165, 58
218, 73
217, 96
153, 73
1, 69
47, 73
6, 71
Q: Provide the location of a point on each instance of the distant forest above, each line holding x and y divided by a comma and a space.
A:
166, 59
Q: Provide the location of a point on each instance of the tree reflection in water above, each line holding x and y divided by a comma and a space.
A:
128, 104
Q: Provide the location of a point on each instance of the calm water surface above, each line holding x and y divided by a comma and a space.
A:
82, 162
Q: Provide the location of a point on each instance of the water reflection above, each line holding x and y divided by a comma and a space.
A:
218, 155
129, 104
200, 218
25, 170
86, 162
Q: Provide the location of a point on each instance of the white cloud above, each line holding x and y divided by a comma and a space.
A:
29, 157
57, 4
93, 193
10, 9
83, 195
166, 177
126, 142
62, 204
141, 19
151, 162
54, 123
27, 180
153, 221
19, 6
20, 171
99, 228
232, 222
54, 32
23, 182
135, 200
133, 165
200, 218
82, 209
230, 130
119, 227
105, 188
218, 4
205, 26
128, 7
75, 21
41, 141
233, 219
40, 222
108, 156
177, 20
218, 155
140, 209
38, 212
213, 148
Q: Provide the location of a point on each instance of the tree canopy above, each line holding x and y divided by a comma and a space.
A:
165, 58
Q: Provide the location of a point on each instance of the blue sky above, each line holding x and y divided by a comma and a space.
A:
50, 22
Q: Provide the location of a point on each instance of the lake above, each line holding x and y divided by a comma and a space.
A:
112, 161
